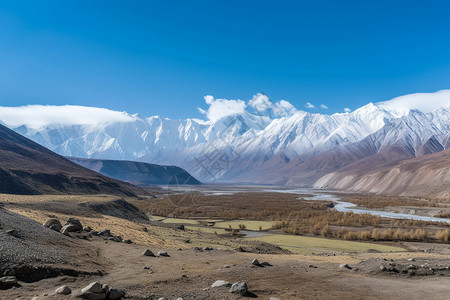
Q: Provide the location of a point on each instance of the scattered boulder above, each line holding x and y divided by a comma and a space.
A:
72, 225
8, 282
63, 290
76, 223
93, 291
239, 287
117, 239
220, 283
106, 233
266, 264
148, 252
13, 232
255, 262
181, 227
53, 224
345, 266
115, 294
127, 241
55, 227
163, 253
207, 248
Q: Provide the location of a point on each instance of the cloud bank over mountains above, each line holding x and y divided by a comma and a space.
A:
38, 116
424, 102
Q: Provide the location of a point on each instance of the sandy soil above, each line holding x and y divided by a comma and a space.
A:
189, 273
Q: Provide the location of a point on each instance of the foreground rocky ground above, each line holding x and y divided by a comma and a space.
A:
191, 265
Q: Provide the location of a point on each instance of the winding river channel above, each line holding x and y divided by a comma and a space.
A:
316, 196
347, 206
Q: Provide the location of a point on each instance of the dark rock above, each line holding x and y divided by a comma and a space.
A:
63, 290
55, 227
117, 239
345, 266
127, 241
148, 252
53, 224
106, 233
163, 253
13, 233
115, 294
69, 228
76, 223
239, 287
8, 282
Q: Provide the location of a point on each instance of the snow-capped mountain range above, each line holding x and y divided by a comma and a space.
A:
264, 142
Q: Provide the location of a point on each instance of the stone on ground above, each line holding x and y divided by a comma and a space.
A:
53, 224
163, 253
115, 294
239, 287
63, 290
7, 282
148, 252
220, 283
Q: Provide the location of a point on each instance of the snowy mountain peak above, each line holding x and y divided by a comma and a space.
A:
245, 136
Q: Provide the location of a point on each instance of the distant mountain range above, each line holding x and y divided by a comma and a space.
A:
264, 145
29, 168
138, 173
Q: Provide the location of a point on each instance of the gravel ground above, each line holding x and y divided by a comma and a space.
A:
35, 246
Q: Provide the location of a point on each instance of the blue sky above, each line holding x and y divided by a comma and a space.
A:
162, 57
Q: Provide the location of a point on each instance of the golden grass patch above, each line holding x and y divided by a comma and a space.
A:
304, 244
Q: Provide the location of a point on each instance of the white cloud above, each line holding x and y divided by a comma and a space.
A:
284, 108
323, 106
260, 103
347, 109
219, 108
263, 106
309, 105
38, 116
208, 99
425, 102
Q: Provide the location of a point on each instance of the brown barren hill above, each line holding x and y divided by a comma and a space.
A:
28, 168
426, 175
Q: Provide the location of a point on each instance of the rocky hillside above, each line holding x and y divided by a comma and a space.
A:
28, 168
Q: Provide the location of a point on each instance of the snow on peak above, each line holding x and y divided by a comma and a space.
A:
424, 102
